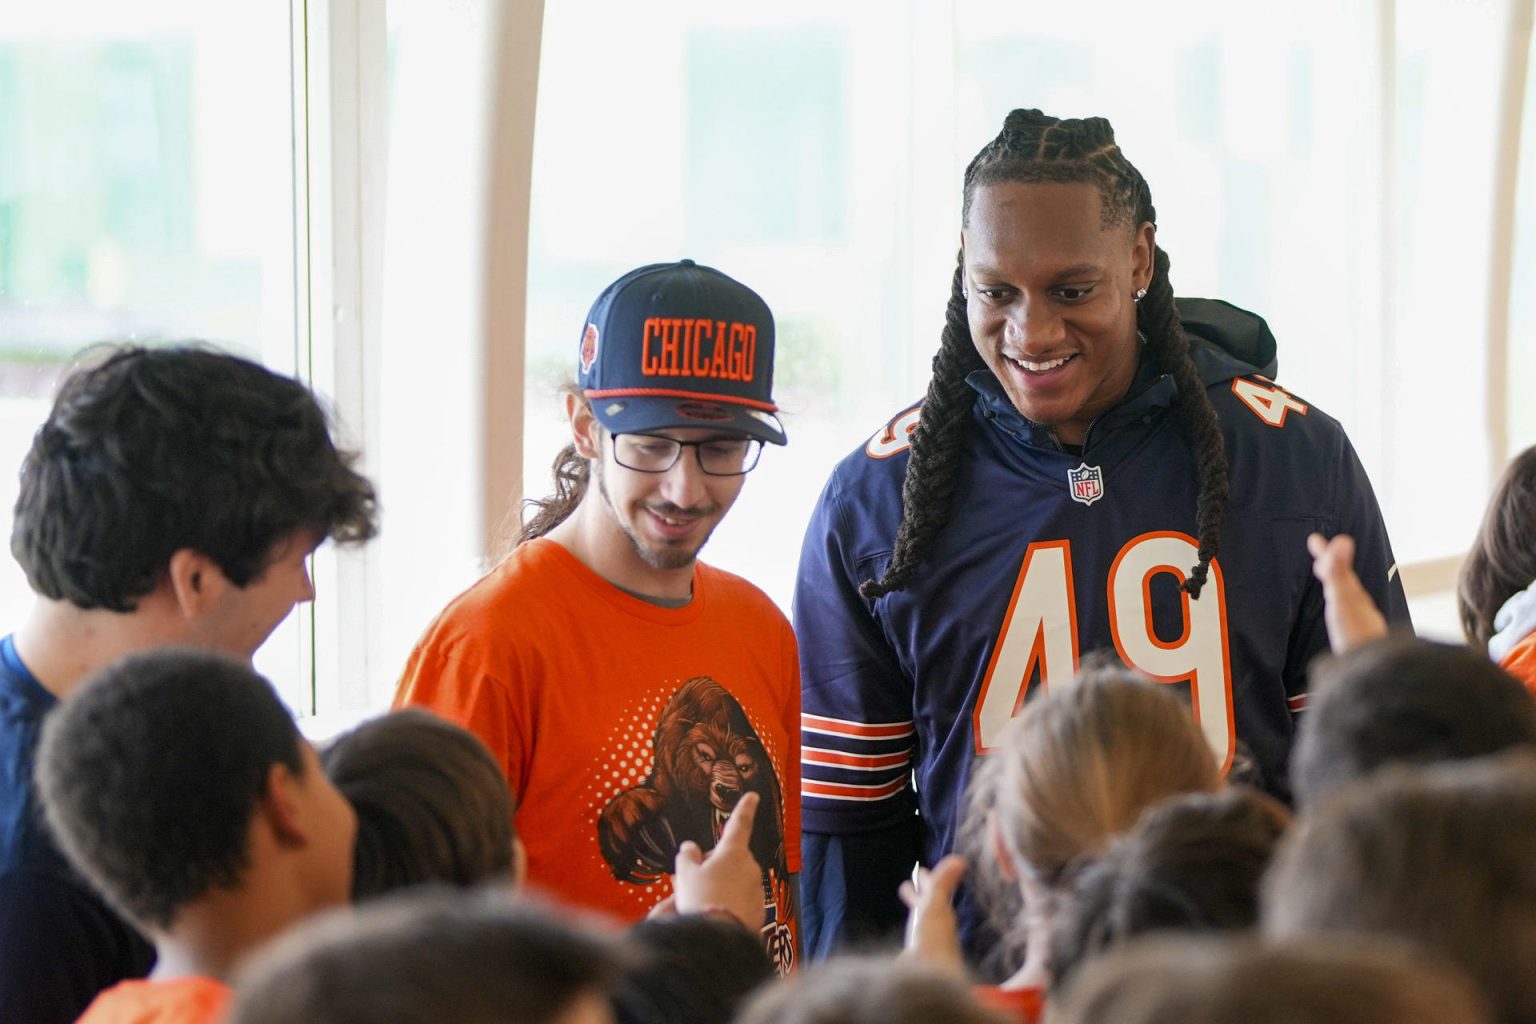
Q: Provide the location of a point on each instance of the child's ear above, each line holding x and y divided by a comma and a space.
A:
1000, 848
279, 805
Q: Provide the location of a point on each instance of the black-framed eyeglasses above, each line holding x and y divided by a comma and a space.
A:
719, 456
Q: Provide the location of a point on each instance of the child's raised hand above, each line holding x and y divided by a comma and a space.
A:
933, 935
1350, 614
728, 878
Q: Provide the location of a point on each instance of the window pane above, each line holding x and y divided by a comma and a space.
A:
1449, 79
146, 194
1327, 166
1522, 313
774, 144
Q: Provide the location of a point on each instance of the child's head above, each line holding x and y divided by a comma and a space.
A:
1208, 981
1191, 864
153, 450
1502, 561
690, 969
1079, 765
178, 775
1401, 700
1439, 857
867, 990
431, 955
1075, 768
432, 804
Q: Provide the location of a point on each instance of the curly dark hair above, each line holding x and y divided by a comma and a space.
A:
151, 772
1035, 147
152, 450
432, 804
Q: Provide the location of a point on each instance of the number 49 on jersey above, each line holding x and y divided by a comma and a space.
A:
1039, 633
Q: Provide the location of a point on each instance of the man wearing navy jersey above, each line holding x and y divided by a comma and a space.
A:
1094, 467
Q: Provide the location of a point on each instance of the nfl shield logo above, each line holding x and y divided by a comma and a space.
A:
1087, 483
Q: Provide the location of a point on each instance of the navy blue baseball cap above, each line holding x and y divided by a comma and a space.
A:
680, 345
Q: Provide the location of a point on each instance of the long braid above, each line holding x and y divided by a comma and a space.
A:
1169, 345
938, 444
1034, 147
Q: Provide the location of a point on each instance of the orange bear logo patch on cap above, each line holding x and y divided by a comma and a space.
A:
588, 348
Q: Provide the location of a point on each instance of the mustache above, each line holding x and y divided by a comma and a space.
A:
672, 511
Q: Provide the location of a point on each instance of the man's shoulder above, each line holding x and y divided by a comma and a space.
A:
23, 842
502, 601
738, 595
1251, 405
22, 697
870, 476
1286, 456
59, 945
35, 897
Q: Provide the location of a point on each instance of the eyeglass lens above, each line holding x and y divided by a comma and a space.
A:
718, 457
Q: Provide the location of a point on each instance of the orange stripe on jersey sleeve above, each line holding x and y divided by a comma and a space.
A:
849, 791
857, 762
856, 730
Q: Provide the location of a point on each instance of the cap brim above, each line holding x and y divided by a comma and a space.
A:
641, 414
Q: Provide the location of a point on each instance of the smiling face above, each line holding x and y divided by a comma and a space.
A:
666, 517
1052, 299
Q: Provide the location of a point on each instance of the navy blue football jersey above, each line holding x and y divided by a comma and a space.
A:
1049, 554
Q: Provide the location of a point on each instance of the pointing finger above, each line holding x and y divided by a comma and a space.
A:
689, 853
738, 827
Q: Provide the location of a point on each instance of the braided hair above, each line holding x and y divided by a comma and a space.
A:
1035, 147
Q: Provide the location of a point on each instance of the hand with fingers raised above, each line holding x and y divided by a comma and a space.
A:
1351, 616
933, 935
726, 879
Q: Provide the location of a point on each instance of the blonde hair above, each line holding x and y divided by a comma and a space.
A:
1082, 762
1073, 770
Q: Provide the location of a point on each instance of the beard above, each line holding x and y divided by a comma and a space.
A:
665, 557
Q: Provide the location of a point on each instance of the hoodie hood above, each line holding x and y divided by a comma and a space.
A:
1227, 341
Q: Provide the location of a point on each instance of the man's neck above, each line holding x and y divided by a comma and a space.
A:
592, 537
660, 602
62, 645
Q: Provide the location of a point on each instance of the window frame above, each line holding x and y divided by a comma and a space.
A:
341, 97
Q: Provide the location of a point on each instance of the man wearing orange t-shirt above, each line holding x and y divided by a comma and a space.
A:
631, 693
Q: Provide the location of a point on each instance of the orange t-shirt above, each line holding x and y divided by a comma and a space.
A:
624, 728
1520, 662
190, 1000
1022, 1004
